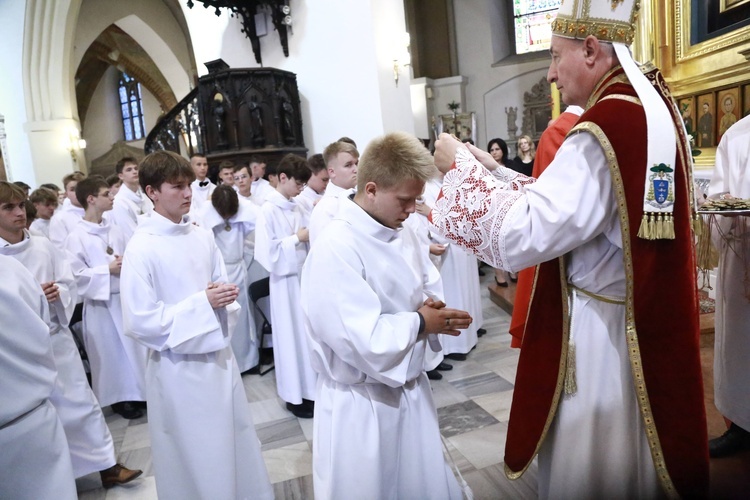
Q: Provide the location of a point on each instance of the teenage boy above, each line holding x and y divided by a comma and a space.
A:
341, 161
202, 187
231, 221
34, 460
95, 249
129, 202
316, 185
45, 202
243, 182
66, 219
89, 440
261, 188
178, 303
281, 247
226, 173
370, 353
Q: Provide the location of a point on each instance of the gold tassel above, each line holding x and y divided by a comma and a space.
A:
670, 232
570, 386
643, 231
697, 224
659, 227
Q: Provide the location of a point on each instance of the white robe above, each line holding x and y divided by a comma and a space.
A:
732, 341
326, 209
376, 431
118, 363
307, 200
203, 440
279, 250
260, 189
40, 227
233, 247
201, 196
32, 440
128, 205
64, 222
572, 210
89, 439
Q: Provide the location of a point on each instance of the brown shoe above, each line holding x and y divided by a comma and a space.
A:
118, 474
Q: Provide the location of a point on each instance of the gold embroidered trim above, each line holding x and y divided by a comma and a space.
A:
631, 335
622, 97
621, 78
560, 372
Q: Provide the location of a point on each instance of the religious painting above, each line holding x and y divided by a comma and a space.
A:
687, 110
727, 110
462, 125
705, 128
746, 100
714, 18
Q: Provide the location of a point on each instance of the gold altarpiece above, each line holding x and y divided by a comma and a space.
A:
714, 71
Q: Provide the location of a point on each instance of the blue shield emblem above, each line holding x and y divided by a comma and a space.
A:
661, 190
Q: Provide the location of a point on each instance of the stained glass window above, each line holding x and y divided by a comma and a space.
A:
533, 20
131, 107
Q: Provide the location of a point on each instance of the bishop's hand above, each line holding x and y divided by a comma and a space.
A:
445, 151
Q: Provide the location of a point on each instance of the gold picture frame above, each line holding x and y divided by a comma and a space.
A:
694, 70
727, 110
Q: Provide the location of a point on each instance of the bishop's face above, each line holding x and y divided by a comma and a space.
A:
569, 71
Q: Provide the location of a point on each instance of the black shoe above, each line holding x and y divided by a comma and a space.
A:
434, 375
504, 284
734, 440
127, 410
300, 411
513, 277
444, 367
308, 404
255, 370
456, 356
481, 331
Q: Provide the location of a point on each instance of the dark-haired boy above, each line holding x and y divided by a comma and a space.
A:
45, 202
226, 173
202, 186
129, 202
316, 185
261, 188
95, 249
281, 245
178, 303
67, 217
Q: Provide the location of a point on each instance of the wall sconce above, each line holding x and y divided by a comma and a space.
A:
75, 144
404, 57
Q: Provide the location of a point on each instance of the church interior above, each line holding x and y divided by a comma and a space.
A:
87, 82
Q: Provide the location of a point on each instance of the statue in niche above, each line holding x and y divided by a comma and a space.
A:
256, 123
287, 121
219, 114
512, 128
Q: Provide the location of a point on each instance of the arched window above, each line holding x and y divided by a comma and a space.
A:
532, 20
131, 107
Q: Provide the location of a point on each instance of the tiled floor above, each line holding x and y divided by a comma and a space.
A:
473, 402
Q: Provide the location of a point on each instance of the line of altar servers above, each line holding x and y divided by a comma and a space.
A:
263, 228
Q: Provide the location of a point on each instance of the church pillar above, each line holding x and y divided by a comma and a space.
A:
51, 127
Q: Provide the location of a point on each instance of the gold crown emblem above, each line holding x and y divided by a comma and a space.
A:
607, 20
